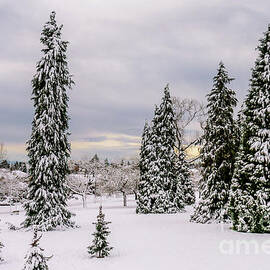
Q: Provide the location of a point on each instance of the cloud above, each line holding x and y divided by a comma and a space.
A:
16, 151
120, 145
96, 139
122, 53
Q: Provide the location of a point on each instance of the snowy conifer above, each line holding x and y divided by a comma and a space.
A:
100, 246
95, 158
185, 184
165, 179
250, 193
106, 162
218, 151
144, 186
48, 148
167, 198
35, 259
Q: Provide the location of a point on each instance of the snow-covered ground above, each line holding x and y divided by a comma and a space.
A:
11, 175
141, 242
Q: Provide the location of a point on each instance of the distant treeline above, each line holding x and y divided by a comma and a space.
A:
17, 165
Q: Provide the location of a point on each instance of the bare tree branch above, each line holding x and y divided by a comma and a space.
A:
188, 111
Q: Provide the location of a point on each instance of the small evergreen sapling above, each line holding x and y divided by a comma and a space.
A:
34, 259
100, 246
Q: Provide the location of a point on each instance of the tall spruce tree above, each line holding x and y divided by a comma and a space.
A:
152, 172
165, 185
250, 193
144, 186
167, 197
48, 148
218, 152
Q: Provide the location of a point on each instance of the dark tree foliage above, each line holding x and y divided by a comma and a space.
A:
160, 188
220, 144
48, 148
250, 193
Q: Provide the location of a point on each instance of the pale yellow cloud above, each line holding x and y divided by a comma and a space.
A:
112, 142
123, 136
16, 147
16, 151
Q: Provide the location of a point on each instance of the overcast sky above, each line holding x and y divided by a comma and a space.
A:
122, 53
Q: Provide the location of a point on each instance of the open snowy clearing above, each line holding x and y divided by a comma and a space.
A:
140, 242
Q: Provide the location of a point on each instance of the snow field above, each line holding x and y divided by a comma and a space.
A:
140, 242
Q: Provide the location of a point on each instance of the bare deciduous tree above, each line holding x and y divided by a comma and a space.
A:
85, 177
94, 177
123, 179
188, 111
81, 185
12, 185
3, 151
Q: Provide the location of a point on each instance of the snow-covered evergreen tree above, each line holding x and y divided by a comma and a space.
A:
100, 246
166, 197
218, 152
35, 259
144, 186
95, 158
106, 162
250, 193
185, 184
165, 185
48, 148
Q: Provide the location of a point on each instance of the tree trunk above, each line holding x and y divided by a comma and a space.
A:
135, 194
124, 198
84, 201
